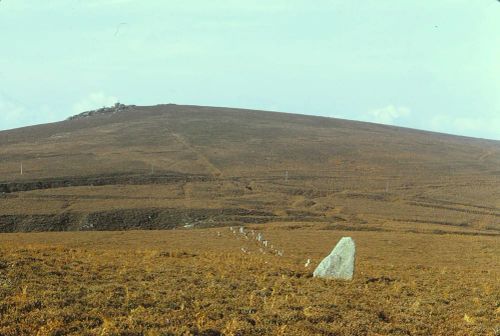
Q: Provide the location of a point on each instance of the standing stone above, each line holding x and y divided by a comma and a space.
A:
340, 263
308, 262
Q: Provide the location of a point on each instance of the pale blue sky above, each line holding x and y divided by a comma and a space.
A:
432, 64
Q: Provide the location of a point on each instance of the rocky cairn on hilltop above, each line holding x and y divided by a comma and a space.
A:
118, 107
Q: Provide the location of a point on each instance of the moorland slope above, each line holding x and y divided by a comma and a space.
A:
170, 166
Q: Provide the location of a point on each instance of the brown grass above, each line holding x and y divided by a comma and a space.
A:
424, 209
341, 172
193, 282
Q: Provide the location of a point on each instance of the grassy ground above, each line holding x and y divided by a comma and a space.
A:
423, 208
201, 282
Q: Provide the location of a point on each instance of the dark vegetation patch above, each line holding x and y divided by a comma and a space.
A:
130, 219
382, 279
10, 187
343, 227
370, 196
469, 211
152, 219
425, 221
460, 233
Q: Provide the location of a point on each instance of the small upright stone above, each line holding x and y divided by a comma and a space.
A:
340, 263
308, 262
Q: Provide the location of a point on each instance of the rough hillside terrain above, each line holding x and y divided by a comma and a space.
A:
168, 165
423, 209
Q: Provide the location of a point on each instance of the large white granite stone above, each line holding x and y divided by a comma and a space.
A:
339, 264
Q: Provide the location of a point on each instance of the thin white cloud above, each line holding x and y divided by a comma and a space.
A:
94, 101
388, 115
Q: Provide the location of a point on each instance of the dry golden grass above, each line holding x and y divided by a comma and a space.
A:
195, 282
424, 209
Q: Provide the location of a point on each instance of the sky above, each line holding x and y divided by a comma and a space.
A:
431, 64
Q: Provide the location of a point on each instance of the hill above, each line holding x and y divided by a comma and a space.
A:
166, 166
